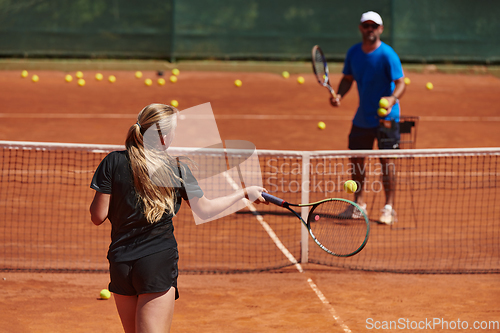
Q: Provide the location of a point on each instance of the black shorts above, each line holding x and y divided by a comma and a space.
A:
363, 138
152, 274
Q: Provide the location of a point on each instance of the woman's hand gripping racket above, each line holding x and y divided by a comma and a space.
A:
320, 68
338, 226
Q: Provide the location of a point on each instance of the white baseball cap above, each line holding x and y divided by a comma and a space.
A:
372, 16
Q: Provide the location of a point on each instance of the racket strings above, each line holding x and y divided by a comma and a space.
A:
339, 226
320, 67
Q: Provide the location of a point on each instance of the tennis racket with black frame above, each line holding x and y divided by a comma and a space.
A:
320, 68
338, 226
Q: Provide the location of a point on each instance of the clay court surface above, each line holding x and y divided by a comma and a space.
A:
273, 113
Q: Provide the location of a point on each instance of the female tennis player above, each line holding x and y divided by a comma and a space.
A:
143, 251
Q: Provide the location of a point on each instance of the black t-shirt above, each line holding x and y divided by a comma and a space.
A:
132, 236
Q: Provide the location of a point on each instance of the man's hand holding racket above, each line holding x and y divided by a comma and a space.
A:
335, 101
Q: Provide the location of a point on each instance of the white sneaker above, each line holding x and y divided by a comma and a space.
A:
351, 213
388, 215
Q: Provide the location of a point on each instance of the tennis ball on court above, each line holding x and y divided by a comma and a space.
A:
161, 81
321, 125
24, 74
138, 74
112, 79
173, 78
81, 82
174, 103
105, 294
175, 71
79, 74
238, 83
285, 74
148, 82
35, 78
98, 76
382, 112
68, 78
429, 86
350, 186
301, 80
383, 103
407, 80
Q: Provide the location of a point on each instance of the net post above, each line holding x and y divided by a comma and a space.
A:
304, 234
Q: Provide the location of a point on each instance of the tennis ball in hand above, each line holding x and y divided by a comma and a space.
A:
105, 294
175, 71
301, 80
429, 86
383, 103
350, 186
68, 78
238, 83
285, 74
321, 125
24, 74
382, 112
138, 74
174, 103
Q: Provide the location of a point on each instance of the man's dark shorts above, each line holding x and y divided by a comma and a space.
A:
363, 138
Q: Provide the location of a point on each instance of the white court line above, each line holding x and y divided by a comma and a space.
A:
289, 256
328, 305
242, 117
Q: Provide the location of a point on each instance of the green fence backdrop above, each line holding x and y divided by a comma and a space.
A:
419, 30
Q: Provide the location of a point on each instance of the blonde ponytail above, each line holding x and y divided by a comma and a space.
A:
155, 198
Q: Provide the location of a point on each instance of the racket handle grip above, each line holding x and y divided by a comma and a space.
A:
273, 199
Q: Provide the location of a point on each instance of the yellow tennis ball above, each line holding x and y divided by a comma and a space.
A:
285, 74
112, 78
24, 74
174, 103
383, 103
138, 74
105, 294
68, 78
148, 82
321, 125
79, 74
81, 82
35, 78
98, 76
350, 186
238, 83
161, 81
407, 80
382, 112
301, 80
175, 71
429, 86
173, 78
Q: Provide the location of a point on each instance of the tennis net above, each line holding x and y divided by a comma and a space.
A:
446, 204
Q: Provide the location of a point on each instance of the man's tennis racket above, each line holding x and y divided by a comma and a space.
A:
340, 227
320, 68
